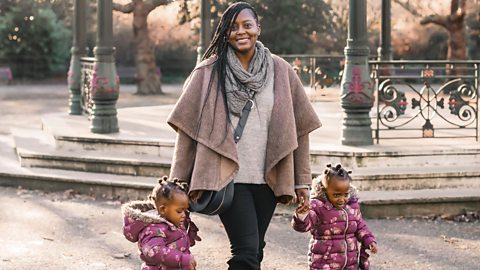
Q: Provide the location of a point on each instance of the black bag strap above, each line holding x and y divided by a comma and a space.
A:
243, 119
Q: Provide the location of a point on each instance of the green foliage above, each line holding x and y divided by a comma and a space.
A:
289, 27
35, 44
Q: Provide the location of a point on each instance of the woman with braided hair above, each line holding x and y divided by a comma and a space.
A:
162, 227
244, 117
336, 224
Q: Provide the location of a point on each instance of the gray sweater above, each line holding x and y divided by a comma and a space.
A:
253, 144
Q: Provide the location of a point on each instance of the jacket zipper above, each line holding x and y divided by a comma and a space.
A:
345, 237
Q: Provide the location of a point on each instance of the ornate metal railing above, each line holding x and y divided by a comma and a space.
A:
87, 64
317, 71
426, 99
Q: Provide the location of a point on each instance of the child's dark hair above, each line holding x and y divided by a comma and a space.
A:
166, 188
330, 172
337, 172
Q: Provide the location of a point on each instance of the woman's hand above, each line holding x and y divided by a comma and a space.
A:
303, 199
195, 195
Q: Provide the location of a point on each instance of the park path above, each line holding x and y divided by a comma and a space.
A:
68, 231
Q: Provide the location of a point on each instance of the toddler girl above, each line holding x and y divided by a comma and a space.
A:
335, 222
162, 227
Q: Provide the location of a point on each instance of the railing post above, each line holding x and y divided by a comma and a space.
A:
357, 89
78, 50
205, 28
105, 81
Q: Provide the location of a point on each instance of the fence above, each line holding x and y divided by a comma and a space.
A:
426, 99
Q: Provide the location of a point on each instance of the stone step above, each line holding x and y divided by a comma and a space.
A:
72, 133
391, 203
402, 156
412, 178
144, 131
37, 150
422, 202
375, 204
412, 203
99, 185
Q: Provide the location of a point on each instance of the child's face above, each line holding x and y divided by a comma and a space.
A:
174, 209
337, 192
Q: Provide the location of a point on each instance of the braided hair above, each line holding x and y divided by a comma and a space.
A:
218, 47
331, 172
166, 188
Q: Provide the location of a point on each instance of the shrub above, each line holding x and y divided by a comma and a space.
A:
35, 44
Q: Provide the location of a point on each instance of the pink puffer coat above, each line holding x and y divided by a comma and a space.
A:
162, 245
335, 235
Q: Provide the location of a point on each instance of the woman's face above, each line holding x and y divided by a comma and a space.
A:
244, 32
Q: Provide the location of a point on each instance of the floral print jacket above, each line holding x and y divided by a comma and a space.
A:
162, 245
335, 235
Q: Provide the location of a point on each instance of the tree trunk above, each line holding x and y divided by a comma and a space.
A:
148, 81
147, 77
455, 25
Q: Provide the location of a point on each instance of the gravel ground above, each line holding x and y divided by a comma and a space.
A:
69, 231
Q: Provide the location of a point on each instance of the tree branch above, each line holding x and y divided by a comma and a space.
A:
127, 8
152, 4
436, 19
408, 7
457, 10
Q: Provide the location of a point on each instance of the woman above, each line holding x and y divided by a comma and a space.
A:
270, 163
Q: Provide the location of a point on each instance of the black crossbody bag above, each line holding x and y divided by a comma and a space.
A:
216, 202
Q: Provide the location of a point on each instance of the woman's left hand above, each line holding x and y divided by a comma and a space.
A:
303, 199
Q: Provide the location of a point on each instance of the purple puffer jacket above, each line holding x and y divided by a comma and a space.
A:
334, 235
162, 245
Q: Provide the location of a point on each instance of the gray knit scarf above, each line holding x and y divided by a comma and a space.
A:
241, 84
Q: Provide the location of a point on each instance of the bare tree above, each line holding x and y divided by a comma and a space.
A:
454, 23
148, 80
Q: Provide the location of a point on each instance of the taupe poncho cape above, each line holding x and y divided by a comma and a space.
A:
215, 162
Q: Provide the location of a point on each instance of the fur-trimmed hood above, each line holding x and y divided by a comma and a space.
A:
142, 211
138, 215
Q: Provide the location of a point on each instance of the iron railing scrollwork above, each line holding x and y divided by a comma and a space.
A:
317, 71
426, 98
87, 64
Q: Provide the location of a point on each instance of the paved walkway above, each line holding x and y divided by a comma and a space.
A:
68, 231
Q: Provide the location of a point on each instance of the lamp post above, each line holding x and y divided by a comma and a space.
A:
357, 89
385, 48
105, 81
205, 28
78, 50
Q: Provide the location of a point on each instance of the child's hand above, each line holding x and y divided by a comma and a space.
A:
302, 209
193, 263
373, 248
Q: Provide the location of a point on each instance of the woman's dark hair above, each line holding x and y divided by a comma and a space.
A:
166, 188
218, 47
337, 172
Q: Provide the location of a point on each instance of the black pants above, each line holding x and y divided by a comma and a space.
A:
246, 223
